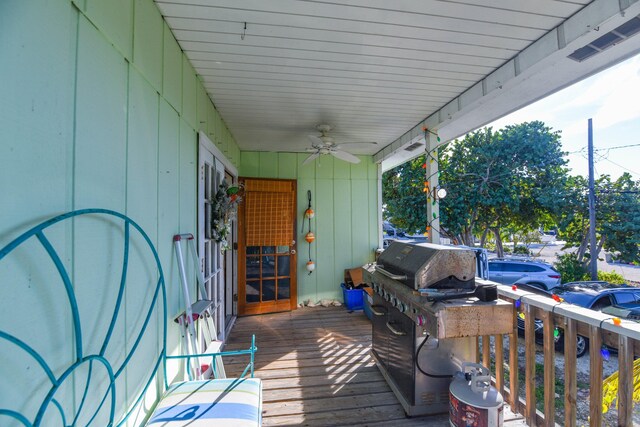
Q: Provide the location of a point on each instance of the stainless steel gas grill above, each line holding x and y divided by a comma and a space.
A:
425, 265
418, 343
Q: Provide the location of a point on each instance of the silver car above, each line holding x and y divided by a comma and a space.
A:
510, 271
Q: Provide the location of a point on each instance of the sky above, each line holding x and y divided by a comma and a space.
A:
612, 99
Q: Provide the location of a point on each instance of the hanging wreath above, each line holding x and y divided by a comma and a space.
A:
224, 207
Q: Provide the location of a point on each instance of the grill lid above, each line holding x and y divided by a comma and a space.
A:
426, 265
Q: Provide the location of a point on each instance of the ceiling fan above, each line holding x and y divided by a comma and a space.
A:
325, 144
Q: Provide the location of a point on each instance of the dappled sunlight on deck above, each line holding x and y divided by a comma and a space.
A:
316, 368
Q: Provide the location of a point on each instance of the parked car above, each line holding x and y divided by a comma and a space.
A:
522, 271
620, 300
388, 230
630, 311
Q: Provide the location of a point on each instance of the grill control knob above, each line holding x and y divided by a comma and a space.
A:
402, 307
387, 296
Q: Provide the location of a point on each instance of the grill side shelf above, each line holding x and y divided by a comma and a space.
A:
447, 319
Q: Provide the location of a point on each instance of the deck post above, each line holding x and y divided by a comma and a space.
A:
499, 340
486, 351
625, 381
549, 369
570, 381
595, 380
530, 364
514, 399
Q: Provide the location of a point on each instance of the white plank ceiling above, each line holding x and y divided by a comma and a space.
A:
372, 69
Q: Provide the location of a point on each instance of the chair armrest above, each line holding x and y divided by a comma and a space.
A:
250, 351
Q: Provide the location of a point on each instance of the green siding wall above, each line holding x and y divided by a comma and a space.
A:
345, 200
99, 107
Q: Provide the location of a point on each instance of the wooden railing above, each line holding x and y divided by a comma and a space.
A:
573, 321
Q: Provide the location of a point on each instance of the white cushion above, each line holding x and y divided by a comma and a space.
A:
220, 402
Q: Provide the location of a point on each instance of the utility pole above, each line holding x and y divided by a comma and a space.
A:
592, 209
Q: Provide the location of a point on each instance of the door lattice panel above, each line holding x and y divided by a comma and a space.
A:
268, 218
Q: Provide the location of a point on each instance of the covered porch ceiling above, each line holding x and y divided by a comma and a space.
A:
379, 71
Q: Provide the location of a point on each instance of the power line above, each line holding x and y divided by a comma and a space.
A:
618, 147
620, 166
582, 150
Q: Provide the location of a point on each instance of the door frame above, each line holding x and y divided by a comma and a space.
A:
224, 318
293, 283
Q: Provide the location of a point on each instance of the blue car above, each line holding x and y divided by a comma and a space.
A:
595, 295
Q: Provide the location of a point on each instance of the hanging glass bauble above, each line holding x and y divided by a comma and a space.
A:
311, 266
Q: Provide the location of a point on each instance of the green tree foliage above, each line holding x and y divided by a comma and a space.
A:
570, 268
510, 178
403, 196
617, 216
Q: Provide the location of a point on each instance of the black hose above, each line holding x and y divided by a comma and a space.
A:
418, 362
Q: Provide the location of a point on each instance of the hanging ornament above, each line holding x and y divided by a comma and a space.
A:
309, 237
311, 266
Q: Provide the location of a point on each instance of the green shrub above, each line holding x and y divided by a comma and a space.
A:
571, 271
521, 250
570, 268
611, 277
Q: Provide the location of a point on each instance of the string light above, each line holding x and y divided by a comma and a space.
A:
556, 298
426, 129
436, 193
604, 350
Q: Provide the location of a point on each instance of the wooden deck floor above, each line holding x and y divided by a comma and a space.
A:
317, 371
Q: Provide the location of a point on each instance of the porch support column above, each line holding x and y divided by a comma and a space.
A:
431, 175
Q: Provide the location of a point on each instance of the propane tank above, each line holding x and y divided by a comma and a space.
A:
473, 402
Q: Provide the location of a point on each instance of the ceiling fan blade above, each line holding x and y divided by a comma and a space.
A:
343, 155
311, 158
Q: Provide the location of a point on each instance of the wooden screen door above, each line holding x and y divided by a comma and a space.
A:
266, 246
